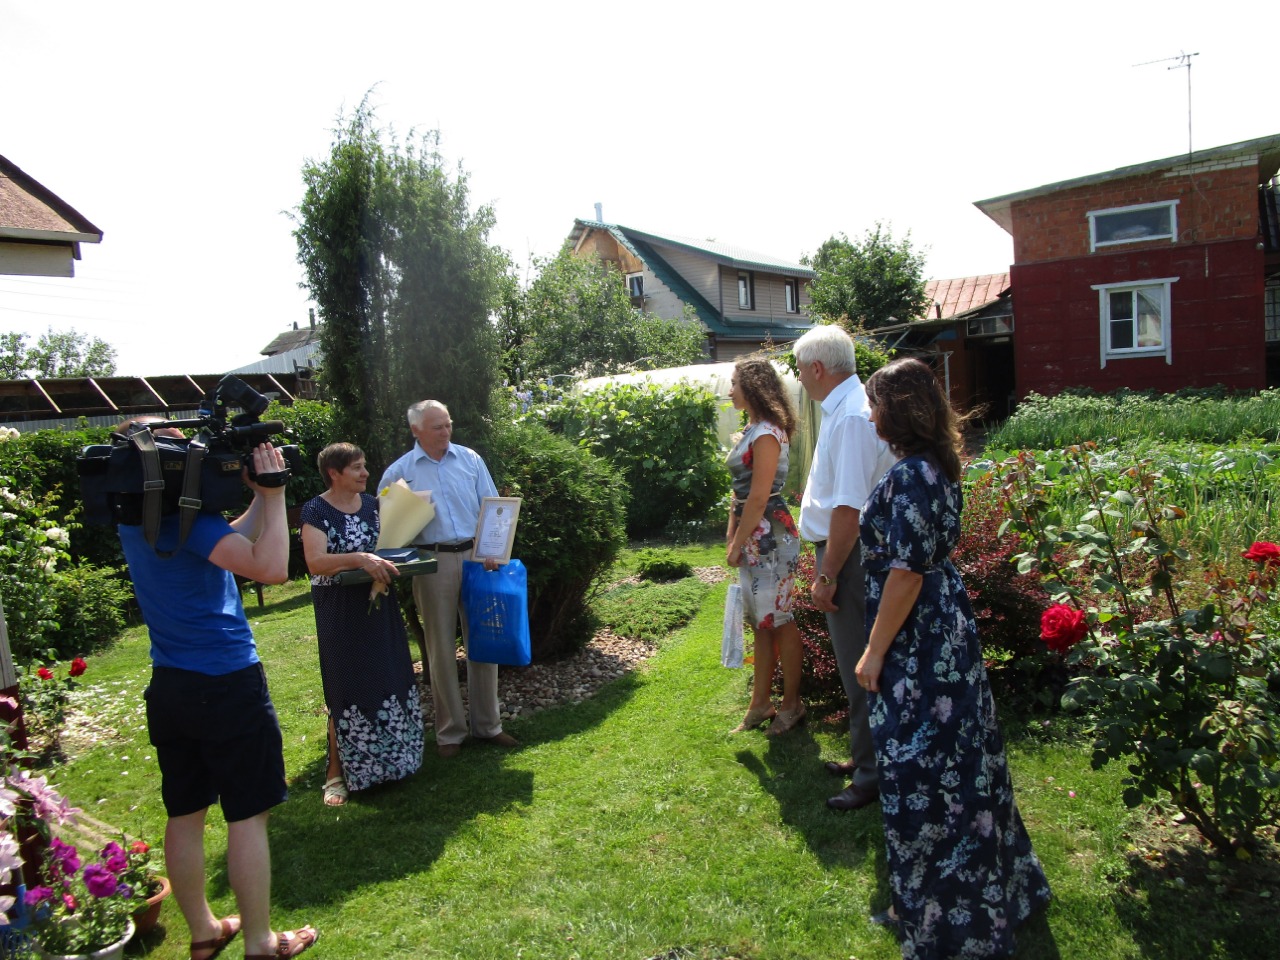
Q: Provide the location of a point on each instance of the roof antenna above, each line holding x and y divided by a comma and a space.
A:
1183, 59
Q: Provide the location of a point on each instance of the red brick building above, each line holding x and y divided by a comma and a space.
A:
1162, 275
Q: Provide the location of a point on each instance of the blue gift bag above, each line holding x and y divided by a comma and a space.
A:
497, 608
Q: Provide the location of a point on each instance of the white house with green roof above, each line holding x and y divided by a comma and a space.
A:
743, 299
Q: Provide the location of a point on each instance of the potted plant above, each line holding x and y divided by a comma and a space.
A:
141, 877
81, 912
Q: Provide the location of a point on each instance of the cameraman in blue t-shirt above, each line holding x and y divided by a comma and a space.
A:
209, 713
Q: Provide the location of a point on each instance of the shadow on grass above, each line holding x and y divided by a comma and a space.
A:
1184, 901
321, 855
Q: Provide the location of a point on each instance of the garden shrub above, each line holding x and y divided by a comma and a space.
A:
1006, 604
570, 530
43, 462
1128, 416
1185, 696
310, 425
89, 607
650, 611
662, 565
822, 686
662, 439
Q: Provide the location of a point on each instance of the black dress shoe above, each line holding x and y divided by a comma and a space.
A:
838, 769
853, 797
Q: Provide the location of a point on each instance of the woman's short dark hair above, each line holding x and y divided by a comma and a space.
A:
337, 456
913, 414
761, 388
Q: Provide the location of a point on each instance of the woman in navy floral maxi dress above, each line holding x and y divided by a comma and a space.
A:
961, 868
375, 719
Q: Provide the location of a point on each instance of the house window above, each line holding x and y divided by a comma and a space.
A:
635, 286
1139, 223
1135, 319
746, 290
989, 326
792, 288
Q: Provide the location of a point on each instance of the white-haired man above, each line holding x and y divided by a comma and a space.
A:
848, 462
458, 480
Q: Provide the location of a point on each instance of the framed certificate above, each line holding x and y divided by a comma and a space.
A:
496, 531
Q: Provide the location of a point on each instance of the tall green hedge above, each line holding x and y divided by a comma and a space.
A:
662, 439
570, 530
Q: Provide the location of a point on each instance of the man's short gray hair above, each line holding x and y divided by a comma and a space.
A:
830, 346
418, 411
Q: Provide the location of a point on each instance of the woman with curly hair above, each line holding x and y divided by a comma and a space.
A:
962, 872
763, 543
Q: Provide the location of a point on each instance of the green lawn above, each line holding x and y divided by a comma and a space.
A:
628, 826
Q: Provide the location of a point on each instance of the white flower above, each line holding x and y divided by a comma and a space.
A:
56, 534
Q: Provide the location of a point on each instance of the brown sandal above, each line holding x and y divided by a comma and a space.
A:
290, 943
217, 943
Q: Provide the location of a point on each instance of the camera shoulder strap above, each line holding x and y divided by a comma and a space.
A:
152, 484
189, 503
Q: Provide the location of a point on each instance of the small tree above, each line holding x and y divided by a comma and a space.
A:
405, 280
577, 317
872, 282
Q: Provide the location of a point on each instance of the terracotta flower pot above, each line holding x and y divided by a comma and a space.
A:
146, 918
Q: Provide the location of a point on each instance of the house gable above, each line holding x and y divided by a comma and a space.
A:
40, 233
704, 275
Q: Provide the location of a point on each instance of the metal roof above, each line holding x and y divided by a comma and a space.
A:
728, 254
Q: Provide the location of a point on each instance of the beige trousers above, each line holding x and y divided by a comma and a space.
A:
438, 598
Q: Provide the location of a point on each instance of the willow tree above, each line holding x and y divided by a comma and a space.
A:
404, 277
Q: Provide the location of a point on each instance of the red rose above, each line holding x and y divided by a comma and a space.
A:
1263, 551
78, 666
1062, 627
44, 673
138, 846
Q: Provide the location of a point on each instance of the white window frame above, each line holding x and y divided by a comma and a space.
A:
1093, 215
632, 284
746, 290
1104, 320
791, 294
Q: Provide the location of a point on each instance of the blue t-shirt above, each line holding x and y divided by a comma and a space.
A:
192, 607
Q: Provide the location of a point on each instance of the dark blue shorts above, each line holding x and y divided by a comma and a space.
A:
216, 739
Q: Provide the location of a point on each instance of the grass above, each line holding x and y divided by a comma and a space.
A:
633, 825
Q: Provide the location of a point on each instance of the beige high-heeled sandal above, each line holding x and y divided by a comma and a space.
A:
754, 718
786, 721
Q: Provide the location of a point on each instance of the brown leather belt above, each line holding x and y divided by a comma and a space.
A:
449, 547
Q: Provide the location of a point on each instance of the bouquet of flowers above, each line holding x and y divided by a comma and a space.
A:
81, 910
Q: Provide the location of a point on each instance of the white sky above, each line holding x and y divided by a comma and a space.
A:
180, 129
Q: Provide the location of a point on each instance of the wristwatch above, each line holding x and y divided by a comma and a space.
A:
825, 580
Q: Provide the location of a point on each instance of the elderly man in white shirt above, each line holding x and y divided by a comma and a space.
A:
458, 480
848, 462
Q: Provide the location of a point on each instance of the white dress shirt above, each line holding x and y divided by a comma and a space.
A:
848, 461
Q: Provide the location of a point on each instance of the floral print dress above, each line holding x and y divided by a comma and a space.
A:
365, 667
961, 868
772, 554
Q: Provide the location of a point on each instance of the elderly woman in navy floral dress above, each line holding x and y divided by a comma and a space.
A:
763, 543
375, 720
962, 872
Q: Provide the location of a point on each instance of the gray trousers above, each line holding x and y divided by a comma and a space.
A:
438, 599
848, 630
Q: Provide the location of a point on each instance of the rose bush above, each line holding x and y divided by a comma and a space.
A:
1180, 676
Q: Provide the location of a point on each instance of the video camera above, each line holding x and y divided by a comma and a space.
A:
139, 476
